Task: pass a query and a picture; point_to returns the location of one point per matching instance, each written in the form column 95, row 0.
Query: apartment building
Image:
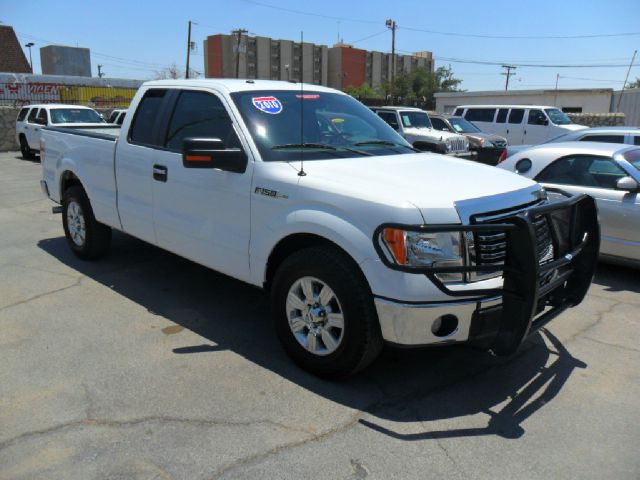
column 341, row 66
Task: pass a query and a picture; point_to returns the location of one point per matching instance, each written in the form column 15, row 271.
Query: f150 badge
column 269, row 193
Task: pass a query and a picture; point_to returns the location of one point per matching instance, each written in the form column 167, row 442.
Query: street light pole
column 29, row 45
column 238, row 32
column 391, row 24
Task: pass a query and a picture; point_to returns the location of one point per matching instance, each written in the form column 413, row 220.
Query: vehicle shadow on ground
column 424, row 385
column 617, row 278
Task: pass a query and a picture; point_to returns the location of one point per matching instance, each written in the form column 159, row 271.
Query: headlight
column 419, row 249
column 486, row 143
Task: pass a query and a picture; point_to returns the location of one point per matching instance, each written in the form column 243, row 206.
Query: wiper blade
column 376, row 142
column 323, row 146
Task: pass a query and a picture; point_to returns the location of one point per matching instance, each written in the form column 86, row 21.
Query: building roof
column 512, row 93
column 12, row 58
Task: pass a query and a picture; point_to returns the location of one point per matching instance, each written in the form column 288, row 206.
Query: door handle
column 525, row 132
column 507, row 130
column 160, row 173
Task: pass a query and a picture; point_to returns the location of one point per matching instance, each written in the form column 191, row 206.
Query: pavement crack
column 615, row 345
column 40, row 295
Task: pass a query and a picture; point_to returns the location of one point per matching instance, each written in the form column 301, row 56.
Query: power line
column 368, row 37
column 439, row 32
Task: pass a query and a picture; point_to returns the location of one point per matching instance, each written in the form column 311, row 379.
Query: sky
column 134, row 39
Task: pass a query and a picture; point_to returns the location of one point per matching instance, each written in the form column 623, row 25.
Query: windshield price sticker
column 267, row 104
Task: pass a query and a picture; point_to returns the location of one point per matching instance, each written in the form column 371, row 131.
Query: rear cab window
column 143, row 129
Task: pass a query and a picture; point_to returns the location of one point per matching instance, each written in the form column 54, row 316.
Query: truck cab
column 303, row 191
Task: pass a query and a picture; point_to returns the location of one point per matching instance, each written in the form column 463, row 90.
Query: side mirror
column 628, row 184
column 543, row 121
column 211, row 153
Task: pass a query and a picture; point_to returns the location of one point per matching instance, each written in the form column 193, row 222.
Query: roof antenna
column 301, row 173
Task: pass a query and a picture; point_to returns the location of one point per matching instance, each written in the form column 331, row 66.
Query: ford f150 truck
column 302, row 190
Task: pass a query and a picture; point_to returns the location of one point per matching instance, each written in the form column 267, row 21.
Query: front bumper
column 532, row 292
column 470, row 155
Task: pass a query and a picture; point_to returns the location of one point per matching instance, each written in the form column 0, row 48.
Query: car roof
column 55, row 105
column 598, row 148
column 232, row 85
column 397, row 108
column 507, row 106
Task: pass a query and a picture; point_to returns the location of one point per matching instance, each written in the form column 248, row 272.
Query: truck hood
column 431, row 133
column 572, row 127
column 433, row 183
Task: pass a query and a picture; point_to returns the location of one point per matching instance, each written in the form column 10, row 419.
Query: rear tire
column 86, row 237
column 334, row 332
column 27, row 153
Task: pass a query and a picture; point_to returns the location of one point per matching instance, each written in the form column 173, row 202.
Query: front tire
column 324, row 314
column 86, row 237
column 27, row 153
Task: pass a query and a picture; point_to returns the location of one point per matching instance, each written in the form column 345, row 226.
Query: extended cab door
column 202, row 213
column 135, row 157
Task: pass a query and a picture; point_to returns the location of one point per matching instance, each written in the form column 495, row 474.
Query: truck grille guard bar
column 529, row 287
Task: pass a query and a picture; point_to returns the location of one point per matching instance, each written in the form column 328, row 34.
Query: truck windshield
column 330, row 125
column 558, row 117
column 462, row 125
column 75, row 115
column 415, row 120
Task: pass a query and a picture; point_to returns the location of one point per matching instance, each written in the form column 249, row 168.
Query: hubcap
column 75, row 223
column 315, row 316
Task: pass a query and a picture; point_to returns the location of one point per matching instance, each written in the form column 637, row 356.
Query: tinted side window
column 390, row 118
column 516, row 115
column 439, row 124
column 22, row 115
column 583, row 170
column 200, row 114
column 458, row 111
column 636, row 140
column 480, row 114
column 121, row 118
column 502, row 115
column 112, row 117
column 604, row 138
column 32, row 115
column 142, row 128
column 41, row 118
column 536, row 117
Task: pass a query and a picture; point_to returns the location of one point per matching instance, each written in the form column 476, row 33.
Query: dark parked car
column 490, row 147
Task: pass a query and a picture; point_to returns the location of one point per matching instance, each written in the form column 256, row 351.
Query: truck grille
column 490, row 248
column 459, row 145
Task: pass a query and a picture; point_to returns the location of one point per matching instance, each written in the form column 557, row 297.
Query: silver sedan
column 608, row 172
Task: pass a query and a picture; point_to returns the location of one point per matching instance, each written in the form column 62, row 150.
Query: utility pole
column 186, row 74
column 100, row 72
column 29, row 45
column 625, row 80
column 238, row 32
column 555, row 99
column 391, row 24
column 508, row 73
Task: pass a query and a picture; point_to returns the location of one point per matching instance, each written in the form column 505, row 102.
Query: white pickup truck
column 304, row 191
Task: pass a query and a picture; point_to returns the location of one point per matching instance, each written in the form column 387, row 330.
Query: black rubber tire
column 362, row 341
column 27, row 153
column 98, row 236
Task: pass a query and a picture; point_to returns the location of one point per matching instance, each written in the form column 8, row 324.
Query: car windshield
column 558, row 117
column 462, row 125
column 330, row 125
column 415, row 120
column 75, row 115
column 633, row 157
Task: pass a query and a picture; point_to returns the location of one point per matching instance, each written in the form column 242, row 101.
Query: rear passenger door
column 515, row 126
column 202, row 213
column 32, row 129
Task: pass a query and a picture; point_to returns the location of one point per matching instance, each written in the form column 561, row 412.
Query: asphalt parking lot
column 144, row 365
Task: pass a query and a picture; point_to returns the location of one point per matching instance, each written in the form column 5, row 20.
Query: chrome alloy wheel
column 315, row 316
column 75, row 223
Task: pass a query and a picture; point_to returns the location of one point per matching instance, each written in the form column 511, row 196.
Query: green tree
column 635, row 84
column 418, row 87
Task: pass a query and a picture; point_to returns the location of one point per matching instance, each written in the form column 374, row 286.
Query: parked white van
column 519, row 124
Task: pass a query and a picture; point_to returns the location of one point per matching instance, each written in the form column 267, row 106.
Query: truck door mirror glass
column 628, row 184
column 211, row 153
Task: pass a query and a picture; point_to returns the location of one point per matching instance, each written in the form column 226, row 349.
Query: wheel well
column 292, row 244
column 68, row 179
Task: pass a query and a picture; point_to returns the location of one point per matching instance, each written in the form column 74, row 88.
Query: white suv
column 33, row 118
column 415, row 126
